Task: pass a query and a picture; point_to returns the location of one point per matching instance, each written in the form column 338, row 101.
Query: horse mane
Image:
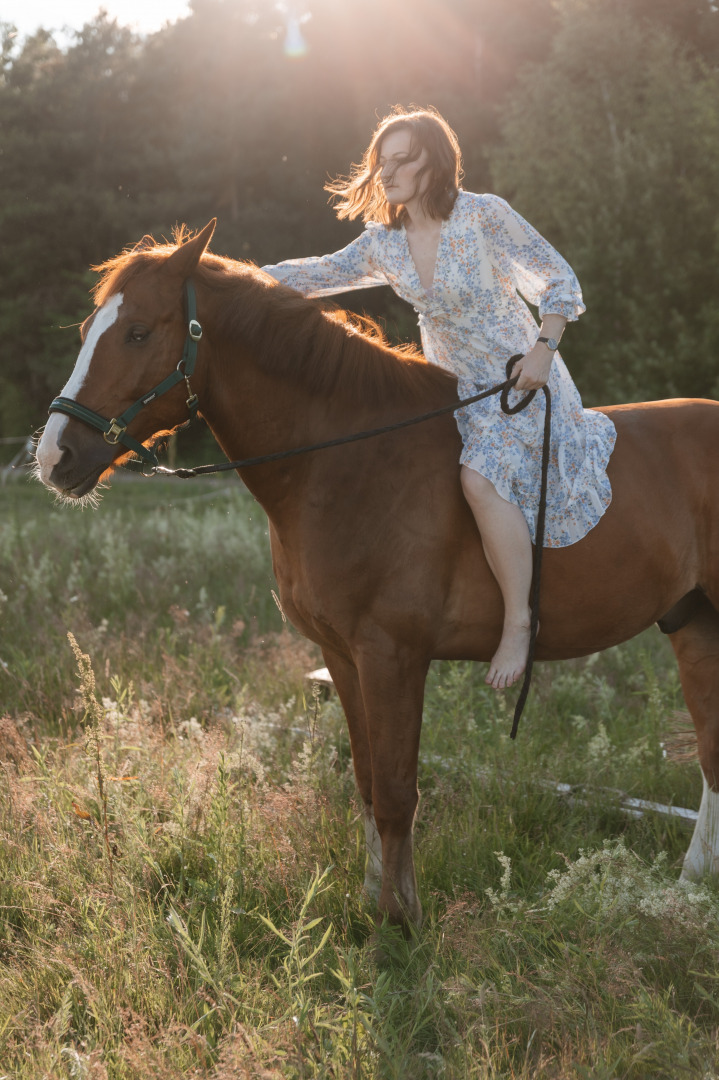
column 326, row 351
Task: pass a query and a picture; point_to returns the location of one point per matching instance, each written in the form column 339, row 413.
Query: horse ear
column 183, row 261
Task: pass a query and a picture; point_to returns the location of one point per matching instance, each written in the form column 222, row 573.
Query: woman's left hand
column 533, row 369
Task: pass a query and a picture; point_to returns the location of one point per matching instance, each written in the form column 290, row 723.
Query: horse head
column 131, row 344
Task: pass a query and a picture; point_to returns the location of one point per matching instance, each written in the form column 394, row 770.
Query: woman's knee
column 475, row 486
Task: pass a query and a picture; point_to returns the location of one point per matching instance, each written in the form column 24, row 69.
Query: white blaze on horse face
column 702, row 858
column 48, row 451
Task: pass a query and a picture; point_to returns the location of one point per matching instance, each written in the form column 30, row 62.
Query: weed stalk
column 92, row 722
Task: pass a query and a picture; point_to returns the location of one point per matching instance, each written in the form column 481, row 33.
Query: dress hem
column 578, row 515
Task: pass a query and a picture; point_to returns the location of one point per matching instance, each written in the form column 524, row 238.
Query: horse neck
column 252, row 413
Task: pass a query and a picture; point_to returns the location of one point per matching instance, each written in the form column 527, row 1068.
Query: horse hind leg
column 346, row 680
column 696, row 646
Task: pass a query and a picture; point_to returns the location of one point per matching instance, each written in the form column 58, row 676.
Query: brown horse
column 376, row 553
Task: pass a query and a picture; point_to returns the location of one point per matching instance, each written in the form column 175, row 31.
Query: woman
column 462, row 260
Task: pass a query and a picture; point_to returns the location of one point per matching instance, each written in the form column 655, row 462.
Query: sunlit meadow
column 182, row 858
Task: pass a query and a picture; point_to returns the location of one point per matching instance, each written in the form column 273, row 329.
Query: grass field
column 181, row 856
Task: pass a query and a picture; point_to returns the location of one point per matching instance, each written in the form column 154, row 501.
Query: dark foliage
column 115, row 136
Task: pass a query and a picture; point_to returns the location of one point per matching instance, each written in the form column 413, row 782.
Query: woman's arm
column 354, row 267
column 538, row 271
column 542, row 277
column 533, row 369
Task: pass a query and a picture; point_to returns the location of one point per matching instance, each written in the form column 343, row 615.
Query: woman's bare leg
column 508, row 548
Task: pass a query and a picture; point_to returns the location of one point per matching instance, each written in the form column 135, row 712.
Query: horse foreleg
column 697, row 651
column 393, row 693
column 346, row 680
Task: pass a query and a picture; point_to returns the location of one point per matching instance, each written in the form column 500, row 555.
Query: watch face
column 552, row 343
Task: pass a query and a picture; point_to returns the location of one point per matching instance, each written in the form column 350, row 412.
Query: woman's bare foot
column 510, row 659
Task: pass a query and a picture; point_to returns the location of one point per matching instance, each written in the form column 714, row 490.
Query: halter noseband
column 115, row 430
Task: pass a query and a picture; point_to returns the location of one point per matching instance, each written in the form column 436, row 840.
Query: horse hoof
column 388, row 943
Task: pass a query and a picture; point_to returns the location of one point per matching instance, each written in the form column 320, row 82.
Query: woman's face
column 398, row 176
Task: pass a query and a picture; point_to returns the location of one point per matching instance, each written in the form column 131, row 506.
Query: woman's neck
column 417, row 219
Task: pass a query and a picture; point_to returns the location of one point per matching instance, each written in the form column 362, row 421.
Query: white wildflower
column 191, row 730
column 172, row 828
column 615, row 882
column 79, row 1063
column 500, row 900
column 599, row 748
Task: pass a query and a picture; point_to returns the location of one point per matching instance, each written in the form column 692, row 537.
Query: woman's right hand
column 533, row 369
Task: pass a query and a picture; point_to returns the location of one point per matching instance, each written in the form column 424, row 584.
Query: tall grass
column 157, row 573
column 181, row 896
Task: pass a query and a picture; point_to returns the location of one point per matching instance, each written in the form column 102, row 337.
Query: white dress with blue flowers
column 471, row 321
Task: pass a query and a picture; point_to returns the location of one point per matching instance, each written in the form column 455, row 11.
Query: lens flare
column 295, row 46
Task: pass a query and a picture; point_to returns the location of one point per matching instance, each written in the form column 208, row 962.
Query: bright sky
column 144, row 16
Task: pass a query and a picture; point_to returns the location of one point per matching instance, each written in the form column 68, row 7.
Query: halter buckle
column 194, row 330
column 114, row 432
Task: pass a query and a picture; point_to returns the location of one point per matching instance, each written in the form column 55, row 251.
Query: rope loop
column 511, row 410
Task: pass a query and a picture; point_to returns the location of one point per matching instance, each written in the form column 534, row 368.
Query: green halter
column 115, row 430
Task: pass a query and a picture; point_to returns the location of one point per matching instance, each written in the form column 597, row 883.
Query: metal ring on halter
column 115, row 430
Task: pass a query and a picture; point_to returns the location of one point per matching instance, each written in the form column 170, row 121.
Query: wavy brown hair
column 361, row 192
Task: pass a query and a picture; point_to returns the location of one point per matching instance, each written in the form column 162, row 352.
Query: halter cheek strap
column 115, row 430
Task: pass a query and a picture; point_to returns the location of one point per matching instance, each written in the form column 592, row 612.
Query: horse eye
column 138, row 333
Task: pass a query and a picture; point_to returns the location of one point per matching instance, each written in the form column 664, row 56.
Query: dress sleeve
column 354, row 267
column 539, row 272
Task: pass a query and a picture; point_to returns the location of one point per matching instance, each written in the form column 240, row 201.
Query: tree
column 116, row 136
column 64, row 129
column 611, row 148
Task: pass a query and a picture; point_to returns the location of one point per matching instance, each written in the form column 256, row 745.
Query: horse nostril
column 66, row 455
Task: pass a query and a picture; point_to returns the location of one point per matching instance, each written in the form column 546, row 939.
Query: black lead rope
column 510, row 410
column 538, row 550
column 503, row 390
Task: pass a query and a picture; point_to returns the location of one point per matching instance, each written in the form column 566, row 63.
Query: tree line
column 597, row 119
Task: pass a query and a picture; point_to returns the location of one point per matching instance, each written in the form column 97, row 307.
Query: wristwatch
column 551, row 343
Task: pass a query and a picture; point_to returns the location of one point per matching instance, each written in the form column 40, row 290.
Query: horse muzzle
column 71, row 458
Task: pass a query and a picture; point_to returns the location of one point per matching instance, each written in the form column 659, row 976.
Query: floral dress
column 471, row 321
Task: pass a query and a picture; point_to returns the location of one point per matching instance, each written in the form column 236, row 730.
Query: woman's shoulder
column 380, row 238
column 374, row 233
column 470, row 203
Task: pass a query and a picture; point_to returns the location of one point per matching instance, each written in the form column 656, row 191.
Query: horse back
column 667, row 443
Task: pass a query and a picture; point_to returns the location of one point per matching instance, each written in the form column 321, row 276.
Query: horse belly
column 426, row 578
